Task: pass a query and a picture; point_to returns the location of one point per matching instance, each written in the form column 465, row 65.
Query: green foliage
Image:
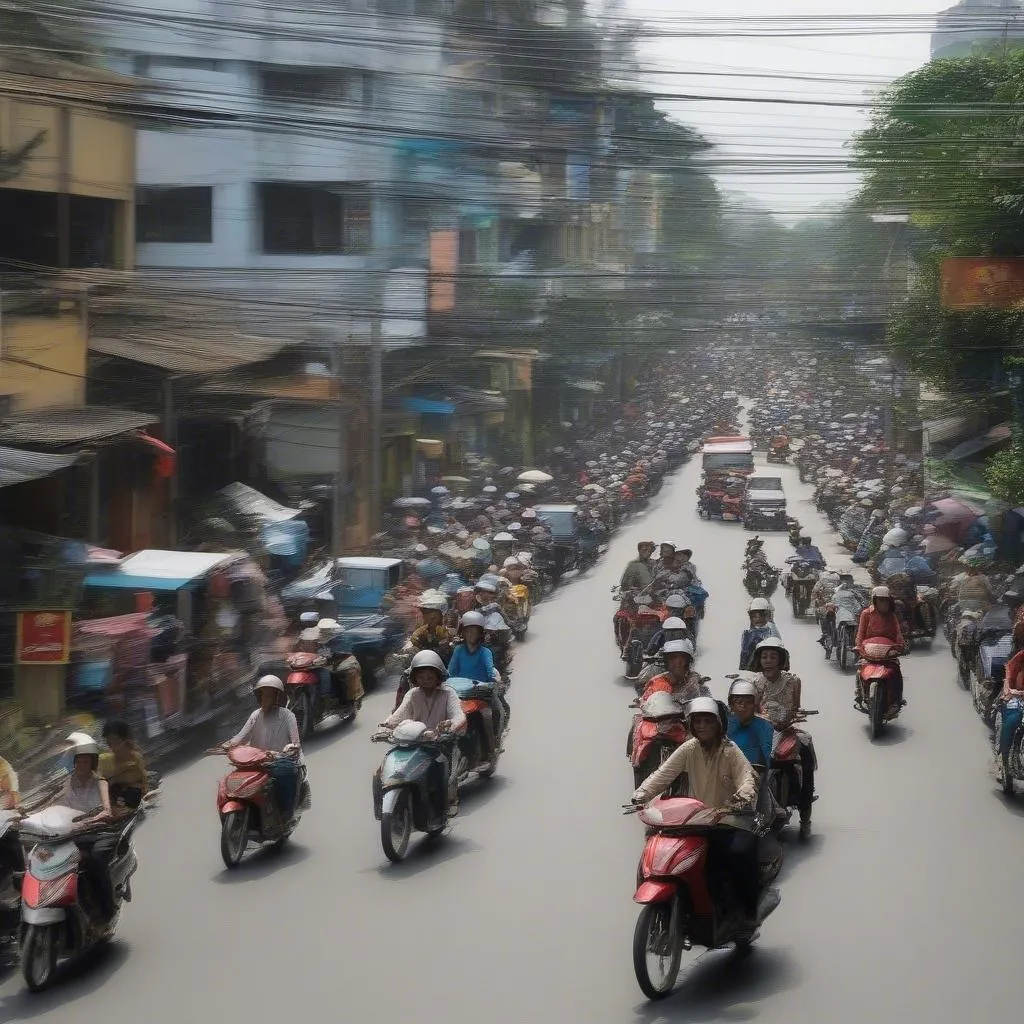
column 44, row 29
column 1005, row 475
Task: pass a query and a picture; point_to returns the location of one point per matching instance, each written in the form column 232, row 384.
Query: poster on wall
column 43, row 638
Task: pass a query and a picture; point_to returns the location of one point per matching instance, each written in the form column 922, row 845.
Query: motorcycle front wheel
column 656, row 951
column 39, row 956
column 301, row 706
column 234, row 837
column 396, row 828
column 878, row 709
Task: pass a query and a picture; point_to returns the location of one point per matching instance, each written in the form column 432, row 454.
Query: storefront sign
column 44, row 638
column 982, row 283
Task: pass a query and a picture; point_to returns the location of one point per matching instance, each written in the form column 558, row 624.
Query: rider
column 974, row 592
column 273, row 727
column 779, row 693
column 435, row 705
column 753, row 734
column 673, row 628
column 678, row 679
column 123, row 768
column 721, row 777
column 471, row 659
column 808, row 553
column 345, row 672
column 880, row 619
column 639, row 574
column 761, row 627
column 684, row 562
column 1008, row 719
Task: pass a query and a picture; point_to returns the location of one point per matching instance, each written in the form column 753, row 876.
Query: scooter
column 12, row 869
column 686, row 902
column 477, row 697
column 410, row 789
column 305, row 697
column 876, row 679
column 785, row 776
column 56, row 924
column 247, row 805
column 656, row 732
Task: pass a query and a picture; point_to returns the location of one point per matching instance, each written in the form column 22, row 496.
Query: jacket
column 721, row 777
column 874, row 623
column 466, row 664
column 755, row 739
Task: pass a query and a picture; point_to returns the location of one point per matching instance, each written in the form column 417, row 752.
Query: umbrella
column 455, row 480
column 594, row 488
column 952, row 511
column 411, row 502
column 534, row 476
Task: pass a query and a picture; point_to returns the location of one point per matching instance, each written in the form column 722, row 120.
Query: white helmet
column 428, row 659
column 673, row 622
column 703, row 706
column 485, row 585
column 472, row 619
column 503, row 538
column 760, row 604
column 433, row 600
column 661, row 705
column 678, row 647
column 742, row 688
column 512, row 562
column 880, row 592
column 269, row 683
column 82, row 743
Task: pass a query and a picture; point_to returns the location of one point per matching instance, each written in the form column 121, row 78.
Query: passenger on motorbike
column 666, row 558
column 684, row 562
column 273, row 727
column 673, row 628
column 678, row 679
column 779, row 695
column 880, row 619
column 435, row 705
column 721, row 777
column 640, row 572
column 761, row 627
column 124, row 767
column 753, row 734
column 471, row 659
column 432, row 635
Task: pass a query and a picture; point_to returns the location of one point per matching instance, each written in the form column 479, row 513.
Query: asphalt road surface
column 904, row 906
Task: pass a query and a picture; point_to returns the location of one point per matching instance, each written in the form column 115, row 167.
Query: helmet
column 667, row 544
column 673, row 622
column 678, row 647
column 83, row 743
column 772, row 643
column 433, row 601
column 880, row 592
column 428, row 659
column 703, row 706
column 269, row 683
column 328, row 628
column 742, row 688
column 309, row 619
column 512, row 563
column 503, row 538
column 760, row 604
column 676, row 601
column 472, row 619
column 660, row 705
column 485, row 584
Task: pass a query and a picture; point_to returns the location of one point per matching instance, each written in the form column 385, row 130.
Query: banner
column 985, row 282
column 44, row 638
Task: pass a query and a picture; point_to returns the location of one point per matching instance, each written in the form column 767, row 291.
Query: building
column 977, row 24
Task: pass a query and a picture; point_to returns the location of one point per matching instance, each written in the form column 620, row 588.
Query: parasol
column 534, row 476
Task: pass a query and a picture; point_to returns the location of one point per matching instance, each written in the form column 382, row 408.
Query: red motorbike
column 656, row 732
column 785, row 774
column 248, row 807
column 877, row 675
column 685, row 900
column 305, row 697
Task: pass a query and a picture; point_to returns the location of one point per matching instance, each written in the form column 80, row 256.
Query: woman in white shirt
column 273, row 727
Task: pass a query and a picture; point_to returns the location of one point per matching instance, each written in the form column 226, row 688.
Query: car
column 765, row 509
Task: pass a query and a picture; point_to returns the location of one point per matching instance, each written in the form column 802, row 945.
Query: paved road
column 894, row 911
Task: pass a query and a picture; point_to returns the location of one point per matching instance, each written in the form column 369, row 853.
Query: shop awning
column 68, row 426
column 949, row 428
column 428, row 405
column 966, row 449
column 184, row 351
column 18, row 466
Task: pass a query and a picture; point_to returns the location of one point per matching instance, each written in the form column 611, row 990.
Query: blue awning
column 122, row 581
column 428, row 405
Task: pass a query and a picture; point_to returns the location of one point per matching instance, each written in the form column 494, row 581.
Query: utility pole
column 376, row 414
column 341, row 469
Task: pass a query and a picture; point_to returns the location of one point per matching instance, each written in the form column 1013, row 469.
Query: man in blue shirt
column 752, row 734
column 472, row 660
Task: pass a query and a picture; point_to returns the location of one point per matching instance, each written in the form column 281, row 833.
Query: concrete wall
column 57, row 346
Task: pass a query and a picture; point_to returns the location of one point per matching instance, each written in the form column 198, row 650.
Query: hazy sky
column 767, row 148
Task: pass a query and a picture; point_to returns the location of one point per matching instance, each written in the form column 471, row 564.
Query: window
column 316, row 85
column 315, row 219
column 173, row 214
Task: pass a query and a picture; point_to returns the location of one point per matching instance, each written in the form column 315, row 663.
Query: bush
column 1005, row 475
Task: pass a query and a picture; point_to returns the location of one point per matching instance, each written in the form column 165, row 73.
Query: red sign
column 44, row 638
column 982, row 283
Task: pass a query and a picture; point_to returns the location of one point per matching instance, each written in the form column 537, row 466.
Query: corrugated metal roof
column 64, row 427
column 186, row 352
column 18, row 466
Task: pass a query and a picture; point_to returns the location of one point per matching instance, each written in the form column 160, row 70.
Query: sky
column 767, row 149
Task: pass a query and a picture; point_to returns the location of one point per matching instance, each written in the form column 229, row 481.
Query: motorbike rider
column 879, row 619
column 273, row 727
column 721, row 777
column 639, row 574
column 679, row 679
column 825, row 587
column 753, row 734
column 673, row 628
column 684, row 563
column 472, row 659
column 432, row 635
column 974, row 593
column 124, row 767
column 345, row 671
column 435, row 705
column 761, row 627
column 1007, row 719
column 779, row 695
column 666, row 561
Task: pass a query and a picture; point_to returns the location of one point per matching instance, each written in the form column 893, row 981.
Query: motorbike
column 248, row 807
column 965, row 645
column 1012, row 753
column 716, row 504
column 839, row 626
column 305, row 697
column 785, row 775
column 57, row 923
column 475, row 698
column 995, row 646
column 12, row 868
column 684, row 899
column 876, row 678
column 778, row 455
column 761, row 579
column 800, row 584
column 657, row 730
column 410, row 789
column 795, row 531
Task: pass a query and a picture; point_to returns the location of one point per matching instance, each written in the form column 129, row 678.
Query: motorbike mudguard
column 402, row 766
column 42, row 915
column 390, row 799
column 654, row 892
column 230, row 806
